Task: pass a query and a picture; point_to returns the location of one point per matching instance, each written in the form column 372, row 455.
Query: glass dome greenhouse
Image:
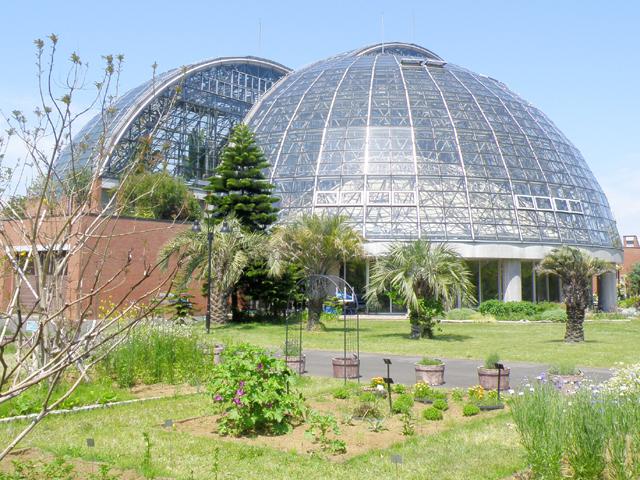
column 409, row 146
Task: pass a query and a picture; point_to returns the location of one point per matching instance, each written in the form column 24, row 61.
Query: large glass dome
column 408, row 146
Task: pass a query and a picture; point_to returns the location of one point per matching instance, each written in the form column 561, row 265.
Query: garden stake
column 499, row 366
column 388, row 381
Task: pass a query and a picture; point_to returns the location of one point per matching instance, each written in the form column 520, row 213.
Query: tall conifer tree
column 239, row 187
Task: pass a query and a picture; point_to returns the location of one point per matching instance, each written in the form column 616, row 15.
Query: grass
column 118, row 434
column 606, row 342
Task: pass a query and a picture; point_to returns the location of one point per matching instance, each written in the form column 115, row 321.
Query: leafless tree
column 63, row 225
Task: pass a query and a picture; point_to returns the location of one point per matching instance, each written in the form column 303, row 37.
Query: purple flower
column 237, row 401
column 241, row 384
column 240, row 392
column 260, row 366
column 218, row 398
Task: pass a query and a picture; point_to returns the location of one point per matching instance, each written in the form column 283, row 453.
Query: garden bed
column 357, row 436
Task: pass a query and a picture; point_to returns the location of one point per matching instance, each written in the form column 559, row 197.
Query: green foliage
column 167, row 354
column 633, row 280
column 57, row 469
column 508, row 310
column 440, row 404
column 408, row 426
column 470, row 409
column 30, row 401
column 376, row 424
column 319, row 427
column 182, row 306
column 564, row 368
column 425, row 278
column 429, row 361
column 399, row 388
column 157, row 195
column 432, row 414
column 341, row 393
column 402, row 404
column 491, row 360
column 424, row 391
column 253, row 391
column 466, row 314
column 239, row 187
column 457, row 394
column 539, row 420
column 554, row 315
column 318, row 245
column 630, row 302
column 367, row 406
column 270, row 293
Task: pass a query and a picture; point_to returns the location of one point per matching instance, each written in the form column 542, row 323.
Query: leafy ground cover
column 607, row 342
column 176, row 452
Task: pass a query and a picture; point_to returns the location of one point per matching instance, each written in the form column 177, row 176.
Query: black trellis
column 325, row 286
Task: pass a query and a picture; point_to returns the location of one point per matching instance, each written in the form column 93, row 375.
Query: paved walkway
column 458, row 373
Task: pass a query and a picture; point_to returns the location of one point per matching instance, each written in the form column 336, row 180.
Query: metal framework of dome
column 183, row 116
column 409, row 146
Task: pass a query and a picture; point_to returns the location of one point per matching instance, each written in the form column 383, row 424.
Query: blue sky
column 579, row 61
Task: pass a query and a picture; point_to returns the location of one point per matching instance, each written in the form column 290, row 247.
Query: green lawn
column 607, row 342
column 483, row 448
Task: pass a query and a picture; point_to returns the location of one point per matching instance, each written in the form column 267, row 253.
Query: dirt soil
column 162, row 390
column 82, row 468
column 358, row 437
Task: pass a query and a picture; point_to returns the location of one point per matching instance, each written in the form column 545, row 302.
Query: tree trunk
column 415, row 331
column 575, row 325
column 235, row 312
column 315, row 310
column 218, row 307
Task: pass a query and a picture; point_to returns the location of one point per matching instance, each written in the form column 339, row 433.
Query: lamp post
column 197, row 229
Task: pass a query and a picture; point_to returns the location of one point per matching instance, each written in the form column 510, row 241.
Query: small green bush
column 457, row 394
column 253, row 391
column 554, row 315
column 399, row 388
column 469, row 410
column 429, row 361
column 367, row 406
column 564, row 368
column 440, row 404
column 509, row 310
column 461, row 314
column 424, row 391
column 402, row 404
column 630, row 302
column 491, row 360
column 342, row 393
column 432, row 414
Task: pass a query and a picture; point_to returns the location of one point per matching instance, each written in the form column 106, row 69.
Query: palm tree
column 318, row 245
column 424, row 277
column 230, row 254
column 576, row 269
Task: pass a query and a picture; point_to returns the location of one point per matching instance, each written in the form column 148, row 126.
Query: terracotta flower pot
column 297, row 364
column 431, row 374
column 567, row 384
column 488, row 378
column 346, row 367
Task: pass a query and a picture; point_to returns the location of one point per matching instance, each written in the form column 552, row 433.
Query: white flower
column 380, row 388
column 521, row 393
column 511, row 391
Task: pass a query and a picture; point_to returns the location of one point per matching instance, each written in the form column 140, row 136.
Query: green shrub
column 429, row 361
column 546, row 306
column 55, row 469
column 564, row 368
column 399, row 388
column 509, row 310
column 553, row 315
column 367, row 406
column 319, row 427
column 402, row 404
column 461, row 314
column 432, row 414
column 424, row 391
column 168, row 354
column 345, row 391
column 630, row 302
column 252, row 390
column 491, row 360
column 469, row 410
column 440, row 404
column 457, row 394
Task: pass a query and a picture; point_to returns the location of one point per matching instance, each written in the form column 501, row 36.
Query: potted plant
column 488, row 374
column 430, row 370
column 348, row 367
column 566, row 377
column 485, row 399
column 293, row 357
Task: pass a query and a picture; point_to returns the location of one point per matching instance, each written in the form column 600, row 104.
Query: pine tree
column 239, row 187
